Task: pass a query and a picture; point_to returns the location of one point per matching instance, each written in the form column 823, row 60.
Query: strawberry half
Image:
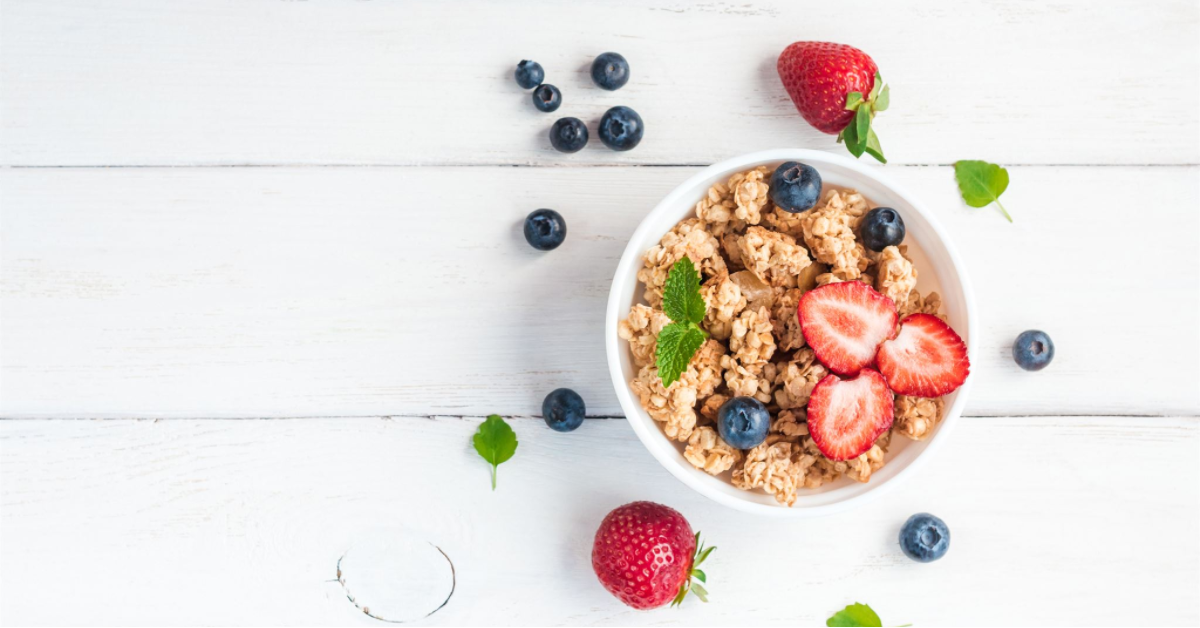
column 844, row 324
column 926, row 359
column 845, row 416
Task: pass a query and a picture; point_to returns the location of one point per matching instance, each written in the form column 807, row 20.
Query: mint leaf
column 677, row 343
column 684, row 304
column 681, row 296
column 981, row 183
column 495, row 442
column 855, row 615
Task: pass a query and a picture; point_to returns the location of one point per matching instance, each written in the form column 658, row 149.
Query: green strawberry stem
column 493, row 477
column 858, row 135
column 694, row 575
column 1002, row 210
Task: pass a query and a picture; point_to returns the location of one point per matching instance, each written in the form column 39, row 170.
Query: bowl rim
column 626, row 268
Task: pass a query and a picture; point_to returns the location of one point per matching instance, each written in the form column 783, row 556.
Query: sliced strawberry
column 845, row 416
column 926, row 359
column 844, row 324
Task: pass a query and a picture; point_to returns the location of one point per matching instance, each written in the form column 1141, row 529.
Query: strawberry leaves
column 858, row 135
column 981, row 183
column 683, row 304
column 691, row 584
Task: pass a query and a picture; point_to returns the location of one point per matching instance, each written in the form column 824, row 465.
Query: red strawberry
column 926, row 359
column 646, row 555
column 845, row 416
column 822, row 79
column 844, row 324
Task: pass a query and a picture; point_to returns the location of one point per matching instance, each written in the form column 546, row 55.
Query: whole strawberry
column 646, row 555
column 837, row 89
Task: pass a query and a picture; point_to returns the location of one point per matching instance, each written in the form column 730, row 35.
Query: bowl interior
column 938, row 270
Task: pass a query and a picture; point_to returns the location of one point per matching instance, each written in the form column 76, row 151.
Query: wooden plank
column 233, row 82
column 370, row 291
column 1085, row 520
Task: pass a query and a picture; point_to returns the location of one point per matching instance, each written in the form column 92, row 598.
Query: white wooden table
column 263, row 276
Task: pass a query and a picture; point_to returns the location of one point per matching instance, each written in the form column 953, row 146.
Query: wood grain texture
column 375, row 291
column 233, row 82
column 1084, row 520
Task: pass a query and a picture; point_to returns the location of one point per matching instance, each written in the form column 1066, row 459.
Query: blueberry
column 882, row 227
column 621, row 128
column 924, row 538
column 545, row 229
column 529, row 74
column 563, row 410
column 795, row 187
column 743, row 422
column 610, row 71
column 568, row 135
column 547, row 97
column 1033, row 350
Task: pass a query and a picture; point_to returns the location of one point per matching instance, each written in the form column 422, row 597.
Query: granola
column 705, row 450
column 829, row 233
column 896, row 276
column 756, row 262
column 916, row 417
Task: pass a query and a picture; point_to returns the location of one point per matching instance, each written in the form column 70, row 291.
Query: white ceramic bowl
column 938, row 266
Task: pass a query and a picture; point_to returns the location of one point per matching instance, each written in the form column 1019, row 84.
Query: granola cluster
column 756, row 261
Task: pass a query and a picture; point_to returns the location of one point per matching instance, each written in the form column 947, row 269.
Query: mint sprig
column 858, row 135
column 981, row 183
column 684, row 305
column 496, row 443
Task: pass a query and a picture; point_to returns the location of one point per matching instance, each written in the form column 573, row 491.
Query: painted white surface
column 383, row 278
column 234, row 82
column 1054, row 521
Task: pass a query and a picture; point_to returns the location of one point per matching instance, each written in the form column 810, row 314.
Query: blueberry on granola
column 795, row 187
column 563, row 410
column 568, row 135
column 1033, row 350
column 882, row 227
column 743, row 422
column 924, row 538
column 529, row 74
column 621, row 128
column 610, row 71
column 547, row 98
column 545, row 229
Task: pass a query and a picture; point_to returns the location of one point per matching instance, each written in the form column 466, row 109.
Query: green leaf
column 876, row 87
column 853, row 100
column 855, row 615
column 700, row 592
column 682, row 301
column 496, row 443
column 677, row 343
column 699, row 575
column 855, row 133
column 873, row 147
column 981, row 183
column 882, row 100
